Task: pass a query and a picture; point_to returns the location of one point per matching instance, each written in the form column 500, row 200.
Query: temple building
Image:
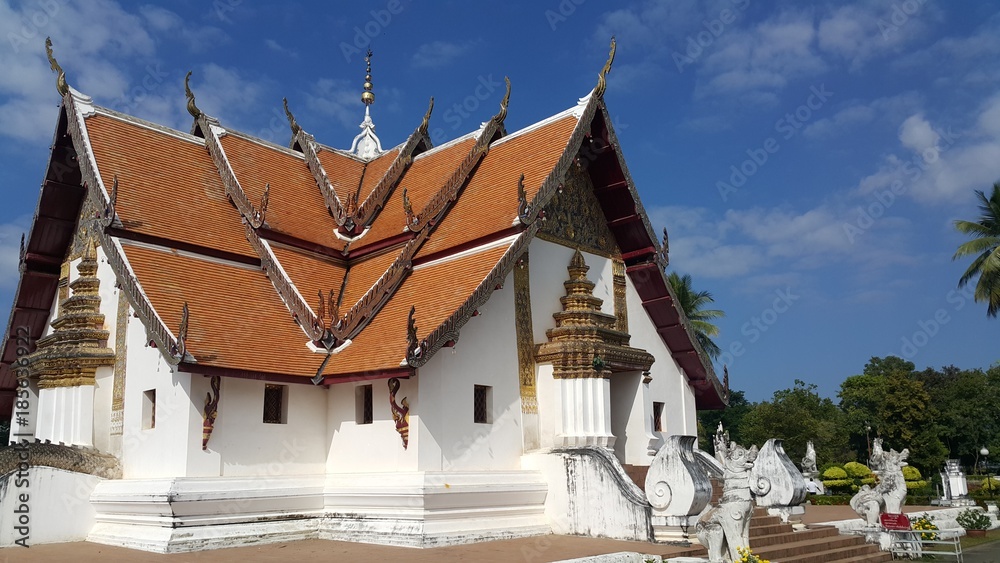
column 217, row 340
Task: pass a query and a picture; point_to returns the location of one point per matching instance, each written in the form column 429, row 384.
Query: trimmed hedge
column 857, row 470
column 911, row 473
column 834, row 473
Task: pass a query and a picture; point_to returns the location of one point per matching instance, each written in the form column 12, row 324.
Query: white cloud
column 197, row 38
column 937, row 165
column 891, row 109
column 438, row 54
column 917, row 134
column 279, row 48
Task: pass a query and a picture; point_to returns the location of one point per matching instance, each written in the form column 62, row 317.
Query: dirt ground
column 542, row 549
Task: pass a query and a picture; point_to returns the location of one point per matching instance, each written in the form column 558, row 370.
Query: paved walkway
column 542, row 549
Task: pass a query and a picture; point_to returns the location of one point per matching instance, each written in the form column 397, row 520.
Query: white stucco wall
column 374, row 447
column 160, row 451
column 245, row 445
column 486, row 354
column 669, row 385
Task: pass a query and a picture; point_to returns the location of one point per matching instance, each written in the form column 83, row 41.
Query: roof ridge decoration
column 307, row 143
column 258, row 218
column 379, row 195
column 444, row 197
column 110, row 216
column 308, row 321
column 61, row 85
column 367, row 145
column 179, row 349
column 191, row 106
column 602, row 83
column 157, row 331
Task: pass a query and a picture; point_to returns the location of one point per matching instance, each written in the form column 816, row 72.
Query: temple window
column 363, row 411
column 482, row 404
column 657, row 417
column 149, row 409
column 275, row 404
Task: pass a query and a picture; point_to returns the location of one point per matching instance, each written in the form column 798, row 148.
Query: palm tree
column 692, row 303
column 986, row 246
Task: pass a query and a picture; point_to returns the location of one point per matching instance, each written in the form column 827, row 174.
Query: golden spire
column 601, row 77
column 367, row 97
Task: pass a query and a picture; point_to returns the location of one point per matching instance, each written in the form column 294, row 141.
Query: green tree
column 985, row 246
column 693, row 304
column 730, row 417
column 890, row 402
column 796, row 416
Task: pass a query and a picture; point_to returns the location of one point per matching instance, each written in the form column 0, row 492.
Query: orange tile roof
column 310, row 273
column 229, row 304
column 374, row 171
column 168, row 187
column 343, row 171
column 295, row 205
column 363, row 274
column 488, row 203
column 436, row 291
column 424, row 178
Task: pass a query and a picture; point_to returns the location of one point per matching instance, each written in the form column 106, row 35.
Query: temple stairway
column 770, row 539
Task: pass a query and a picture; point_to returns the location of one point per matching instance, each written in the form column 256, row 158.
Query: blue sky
column 808, row 160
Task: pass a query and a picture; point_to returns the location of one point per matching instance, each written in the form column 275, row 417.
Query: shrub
column 834, row 473
column 838, row 485
column 911, row 473
column 857, row 470
column 914, row 485
column 973, row 519
column 925, row 522
column 870, row 481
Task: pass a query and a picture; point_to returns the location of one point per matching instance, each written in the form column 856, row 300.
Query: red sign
column 895, row 522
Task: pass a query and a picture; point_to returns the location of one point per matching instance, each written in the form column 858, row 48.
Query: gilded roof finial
column 61, row 86
column 601, row 78
column 427, row 116
column 191, row 107
column 503, row 103
column 367, row 97
column 367, row 145
column 291, row 118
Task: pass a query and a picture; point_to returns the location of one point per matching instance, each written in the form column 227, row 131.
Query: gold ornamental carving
column 71, row 354
column 524, row 336
column 621, row 304
column 585, row 342
column 118, row 388
column 574, row 217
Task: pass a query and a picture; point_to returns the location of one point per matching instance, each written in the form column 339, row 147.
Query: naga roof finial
column 427, row 116
column 602, row 83
column 61, row 86
column 291, row 118
column 191, row 107
column 503, row 103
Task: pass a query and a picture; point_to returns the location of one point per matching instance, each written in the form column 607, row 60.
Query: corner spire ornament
column 602, row 83
column 427, row 117
column 291, row 118
column 61, row 86
column 367, row 145
column 191, row 107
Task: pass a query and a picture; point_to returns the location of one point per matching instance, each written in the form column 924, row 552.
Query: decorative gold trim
column 118, row 387
column 211, row 411
column 602, row 82
column 191, row 107
column 524, row 336
column 400, row 412
column 61, row 86
column 71, row 354
column 584, row 343
column 574, row 217
column 621, row 303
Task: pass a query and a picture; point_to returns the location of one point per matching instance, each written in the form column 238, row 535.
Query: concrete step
column 864, row 553
column 790, row 537
column 821, row 550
